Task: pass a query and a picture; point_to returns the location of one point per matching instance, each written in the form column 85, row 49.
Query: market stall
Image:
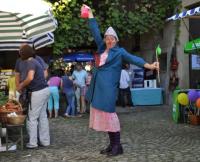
column 31, row 22
column 186, row 102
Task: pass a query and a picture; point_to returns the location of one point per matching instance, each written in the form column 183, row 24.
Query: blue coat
column 102, row 92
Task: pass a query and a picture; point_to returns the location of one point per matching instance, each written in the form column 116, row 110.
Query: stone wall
column 183, row 69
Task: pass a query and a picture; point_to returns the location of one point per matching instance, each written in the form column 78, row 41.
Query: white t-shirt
column 124, row 79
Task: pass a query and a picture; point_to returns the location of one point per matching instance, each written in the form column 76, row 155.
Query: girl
column 54, row 83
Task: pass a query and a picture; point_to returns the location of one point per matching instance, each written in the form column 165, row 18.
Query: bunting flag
column 184, row 14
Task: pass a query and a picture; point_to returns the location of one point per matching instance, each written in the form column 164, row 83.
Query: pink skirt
column 104, row 121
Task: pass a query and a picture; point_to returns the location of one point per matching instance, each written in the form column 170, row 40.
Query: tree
column 127, row 17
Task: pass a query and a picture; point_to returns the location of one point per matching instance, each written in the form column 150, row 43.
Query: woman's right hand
column 90, row 11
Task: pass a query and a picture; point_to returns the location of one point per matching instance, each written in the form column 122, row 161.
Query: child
column 54, row 83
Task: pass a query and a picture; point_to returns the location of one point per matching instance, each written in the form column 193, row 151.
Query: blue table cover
column 147, row 96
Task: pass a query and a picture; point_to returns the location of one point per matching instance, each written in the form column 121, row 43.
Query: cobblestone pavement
column 148, row 135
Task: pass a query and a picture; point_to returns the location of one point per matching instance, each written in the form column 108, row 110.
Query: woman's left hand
column 155, row 66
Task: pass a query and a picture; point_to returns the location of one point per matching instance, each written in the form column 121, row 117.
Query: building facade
column 172, row 41
column 193, row 24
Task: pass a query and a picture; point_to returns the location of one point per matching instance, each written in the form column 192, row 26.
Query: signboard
column 195, row 62
column 192, row 46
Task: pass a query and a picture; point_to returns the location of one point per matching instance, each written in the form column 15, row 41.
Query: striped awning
column 36, row 42
column 43, row 40
column 25, row 19
column 184, row 14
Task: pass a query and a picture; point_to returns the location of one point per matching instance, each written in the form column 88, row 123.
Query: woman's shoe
column 116, row 150
column 79, row 116
column 67, row 116
column 29, row 146
column 106, row 150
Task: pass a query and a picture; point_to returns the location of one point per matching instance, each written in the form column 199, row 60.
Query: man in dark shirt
column 32, row 78
column 20, row 64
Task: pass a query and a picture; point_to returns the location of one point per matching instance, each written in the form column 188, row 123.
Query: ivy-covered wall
column 128, row 17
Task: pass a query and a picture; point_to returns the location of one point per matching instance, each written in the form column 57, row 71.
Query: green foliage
column 3, row 98
column 128, row 17
column 59, row 64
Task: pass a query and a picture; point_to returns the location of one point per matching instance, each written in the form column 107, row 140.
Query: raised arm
column 94, row 28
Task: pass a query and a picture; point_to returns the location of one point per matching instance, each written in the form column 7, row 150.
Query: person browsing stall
column 80, row 75
column 34, row 80
column 53, row 103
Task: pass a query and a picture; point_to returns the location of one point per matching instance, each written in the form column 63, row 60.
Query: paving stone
column 148, row 135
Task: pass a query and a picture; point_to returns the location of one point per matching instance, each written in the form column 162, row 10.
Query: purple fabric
column 54, row 81
column 116, row 138
column 111, row 137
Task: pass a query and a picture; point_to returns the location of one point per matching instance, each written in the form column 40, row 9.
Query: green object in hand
column 158, row 50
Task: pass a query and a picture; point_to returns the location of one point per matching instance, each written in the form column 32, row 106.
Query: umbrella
column 26, row 21
column 69, row 58
column 184, row 14
column 36, row 42
column 84, row 57
column 44, row 40
column 79, row 57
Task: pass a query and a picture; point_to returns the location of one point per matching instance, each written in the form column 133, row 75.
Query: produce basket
column 194, row 119
column 10, row 107
column 16, row 120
